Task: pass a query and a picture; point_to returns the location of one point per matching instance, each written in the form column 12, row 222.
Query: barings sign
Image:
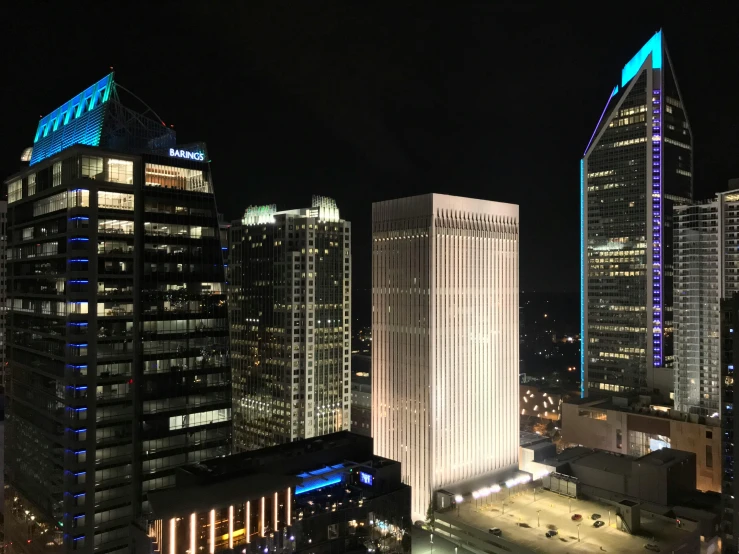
column 185, row 155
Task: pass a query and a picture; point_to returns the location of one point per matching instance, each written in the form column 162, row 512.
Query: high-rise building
column 729, row 522
column 117, row 324
column 706, row 257
column 445, row 341
column 290, row 321
column 637, row 165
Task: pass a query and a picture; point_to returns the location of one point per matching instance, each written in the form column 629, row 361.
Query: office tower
column 637, row 165
column 706, row 258
column 445, row 340
column 729, row 521
column 117, row 324
column 290, row 321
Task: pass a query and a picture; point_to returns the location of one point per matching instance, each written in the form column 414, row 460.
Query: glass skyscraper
column 117, row 325
column 636, row 167
column 290, row 321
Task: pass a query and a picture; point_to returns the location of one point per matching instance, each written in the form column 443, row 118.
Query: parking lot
column 525, row 518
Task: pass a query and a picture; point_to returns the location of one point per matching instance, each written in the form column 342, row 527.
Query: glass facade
column 636, row 167
column 118, row 344
column 290, row 321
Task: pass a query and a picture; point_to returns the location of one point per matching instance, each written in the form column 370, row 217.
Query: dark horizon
column 366, row 103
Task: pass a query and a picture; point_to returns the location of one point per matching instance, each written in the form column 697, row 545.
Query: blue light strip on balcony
column 83, row 218
column 300, row 489
column 79, row 260
column 78, row 238
column 583, row 258
column 653, row 47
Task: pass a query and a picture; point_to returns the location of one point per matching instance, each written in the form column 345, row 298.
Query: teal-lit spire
column 653, row 47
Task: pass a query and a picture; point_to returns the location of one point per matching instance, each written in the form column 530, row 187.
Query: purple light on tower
column 657, row 318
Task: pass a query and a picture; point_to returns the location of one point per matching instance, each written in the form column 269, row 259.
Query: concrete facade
column 599, row 424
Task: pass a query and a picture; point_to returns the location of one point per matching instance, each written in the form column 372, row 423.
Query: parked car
column 551, row 533
column 599, row 523
column 576, row 517
column 652, row 547
column 596, row 516
column 495, row 531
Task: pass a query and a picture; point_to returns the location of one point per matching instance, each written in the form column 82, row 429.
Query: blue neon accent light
column 583, row 258
column 653, row 47
column 614, row 92
column 315, row 481
column 78, row 121
column 300, row 489
column 74, row 239
column 365, row 478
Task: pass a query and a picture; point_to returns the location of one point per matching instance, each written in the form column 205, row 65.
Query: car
column 652, row 547
column 596, row 516
column 576, row 517
column 551, row 533
column 599, row 523
column 495, row 531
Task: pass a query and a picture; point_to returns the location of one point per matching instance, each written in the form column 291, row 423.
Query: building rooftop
column 301, row 465
column 654, row 409
column 605, row 461
column 527, row 517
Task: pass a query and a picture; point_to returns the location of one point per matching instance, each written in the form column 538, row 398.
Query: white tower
column 445, row 340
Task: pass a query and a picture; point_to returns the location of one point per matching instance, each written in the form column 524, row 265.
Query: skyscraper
column 637, row 165
column 706, row 258
column 290, row 321
column 445, row 340
column 117, row 325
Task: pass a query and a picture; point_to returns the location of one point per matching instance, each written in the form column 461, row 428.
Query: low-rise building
column 636, row 430
column 324, row 494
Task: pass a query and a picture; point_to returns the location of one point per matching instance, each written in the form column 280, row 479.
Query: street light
column 537, row 518
column 458, row 499
column 578, row 532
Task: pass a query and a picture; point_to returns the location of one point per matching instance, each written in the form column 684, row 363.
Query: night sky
column 366, row 102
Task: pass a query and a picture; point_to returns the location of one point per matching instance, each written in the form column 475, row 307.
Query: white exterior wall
column 445, row 339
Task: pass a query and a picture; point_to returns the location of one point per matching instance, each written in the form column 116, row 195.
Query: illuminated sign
column 365, row 478
column 186, row 155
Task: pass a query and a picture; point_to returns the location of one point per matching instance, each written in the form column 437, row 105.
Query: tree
column 430, row 513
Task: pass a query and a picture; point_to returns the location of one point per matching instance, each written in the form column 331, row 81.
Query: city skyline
column 457, row 101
